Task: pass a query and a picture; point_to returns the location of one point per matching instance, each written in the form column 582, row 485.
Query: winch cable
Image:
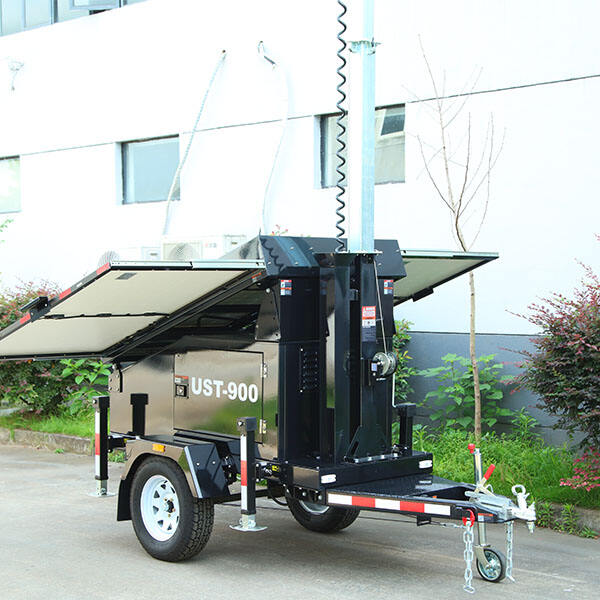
column 283, row 121
column 341, row 130
column 173, row 187
column 379, row 302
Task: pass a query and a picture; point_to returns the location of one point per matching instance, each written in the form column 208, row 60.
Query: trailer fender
column 200, row 463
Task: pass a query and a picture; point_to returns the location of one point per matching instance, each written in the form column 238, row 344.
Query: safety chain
column 509, row 549
column 468, row 554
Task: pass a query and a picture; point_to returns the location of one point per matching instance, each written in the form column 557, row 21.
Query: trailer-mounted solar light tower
column 274, row 363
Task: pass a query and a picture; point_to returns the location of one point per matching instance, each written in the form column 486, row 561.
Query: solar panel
column 113, row 304
column 425, row 270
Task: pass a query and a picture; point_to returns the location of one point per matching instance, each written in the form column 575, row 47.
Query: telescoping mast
column 273, row 364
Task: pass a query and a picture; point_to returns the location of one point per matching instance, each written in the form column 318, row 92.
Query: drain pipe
column 173, row 187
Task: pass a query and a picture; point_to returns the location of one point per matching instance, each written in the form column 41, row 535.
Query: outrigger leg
column 247, row 427
column 101, row 404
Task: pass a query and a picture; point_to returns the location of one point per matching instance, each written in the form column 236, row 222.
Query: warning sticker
column 286, row 287
column 368, row 323
column 368, row 316
column 388, row 287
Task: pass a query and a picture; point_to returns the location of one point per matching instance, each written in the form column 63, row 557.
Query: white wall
column 141, row 72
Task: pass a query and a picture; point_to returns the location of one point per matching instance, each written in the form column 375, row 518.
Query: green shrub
column 32, row 385
column 564, row 371
column 454, row 397
column 46, row 387
column 11, row 301
column 35, row 386
column 544, row 514
column 91, row 379
column 401, row 338
column 569, row 520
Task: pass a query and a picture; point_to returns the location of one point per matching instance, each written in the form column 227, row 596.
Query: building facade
column 98, row 106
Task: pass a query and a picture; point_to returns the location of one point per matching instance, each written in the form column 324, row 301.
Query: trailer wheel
column 168, row 521
column 497, row 568
column 321, row 518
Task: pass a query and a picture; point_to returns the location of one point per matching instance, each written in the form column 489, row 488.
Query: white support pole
column 361, row 127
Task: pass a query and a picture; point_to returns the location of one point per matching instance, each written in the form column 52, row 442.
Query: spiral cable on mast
column 341, row 130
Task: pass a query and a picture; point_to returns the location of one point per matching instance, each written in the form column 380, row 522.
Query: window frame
column 53, row 4
column 379, row 121
column 15, row 210
column 109, row 5
column 124, row 168
column 53, row 14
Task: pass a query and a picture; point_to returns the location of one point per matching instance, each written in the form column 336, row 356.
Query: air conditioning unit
column 203, row 248
column 134, row 253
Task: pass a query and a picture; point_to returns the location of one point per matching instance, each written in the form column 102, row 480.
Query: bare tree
column 461, row 178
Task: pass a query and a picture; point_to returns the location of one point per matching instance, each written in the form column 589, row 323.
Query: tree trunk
column 473, row 356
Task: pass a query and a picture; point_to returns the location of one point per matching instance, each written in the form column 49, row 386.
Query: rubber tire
column 502, row 560
column 195, row 520
column 334, row 519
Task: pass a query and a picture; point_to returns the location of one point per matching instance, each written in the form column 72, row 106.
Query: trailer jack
column 490, row 563
column 101, row 447
column 247, row 427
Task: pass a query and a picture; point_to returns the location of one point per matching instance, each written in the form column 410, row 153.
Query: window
column 10, row 185
column 389, row 146
column 65, row 12
column 101, row 4
column 18, row 15
column 37, row 13
column 148, row 169
column 95, row 4
column 12, row 16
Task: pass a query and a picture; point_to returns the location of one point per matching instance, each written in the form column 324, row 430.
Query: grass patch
column 80, row 425
column 527, row 461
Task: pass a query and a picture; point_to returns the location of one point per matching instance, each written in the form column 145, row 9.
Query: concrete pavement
column 58, row 543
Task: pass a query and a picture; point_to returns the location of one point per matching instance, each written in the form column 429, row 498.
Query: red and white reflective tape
column 97, row 443
column 244, row 472
column 64, row 294
column 387, row 504
column 105, row 267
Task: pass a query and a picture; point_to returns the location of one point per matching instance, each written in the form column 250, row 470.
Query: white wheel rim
column 313, row 507
column 160, row 508
column 494, row 568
